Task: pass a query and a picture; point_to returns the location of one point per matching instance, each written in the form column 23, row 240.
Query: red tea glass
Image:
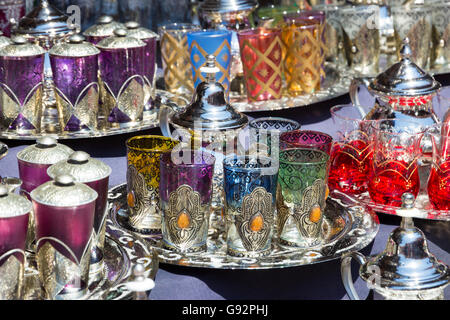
column 351, row 153
column 439, row 180
column 395, row 161
column 261, row 54
column 306, row 139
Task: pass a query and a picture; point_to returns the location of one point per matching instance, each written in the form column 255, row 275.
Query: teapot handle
column 346, row 273
column 353, row 91
column 164, row 113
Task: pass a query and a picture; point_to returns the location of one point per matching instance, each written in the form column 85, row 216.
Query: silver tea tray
column 123, row 250
column 347, row 228
column 149, row 121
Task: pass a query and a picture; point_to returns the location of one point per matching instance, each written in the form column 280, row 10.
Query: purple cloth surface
column 319, row 281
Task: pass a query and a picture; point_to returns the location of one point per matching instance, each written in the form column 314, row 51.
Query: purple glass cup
column 14, row 216
column 121, row 69
column 64, row 213
column 306, row 139
column 185, row 192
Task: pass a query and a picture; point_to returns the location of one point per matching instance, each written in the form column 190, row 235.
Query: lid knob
column 76, row 38
column 19, row 40
column 405, row 51
column 64, row 180
column 3, row 191
column 132, row 25
column 105, row 20
column 210, row 68
column 120, row 32
column 79, row 157
column 408, row 200
column 46, row 142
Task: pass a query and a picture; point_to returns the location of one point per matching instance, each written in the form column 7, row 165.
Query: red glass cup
column 261, row 55
column 306, row 139
column 352, row 150
column 439, row 180
column 394, row 169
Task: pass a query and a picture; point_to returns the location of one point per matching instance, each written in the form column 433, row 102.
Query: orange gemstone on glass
column 183, row 221
column 327, row 193
column 256, row 224
column 131, row 199
column 315, row 214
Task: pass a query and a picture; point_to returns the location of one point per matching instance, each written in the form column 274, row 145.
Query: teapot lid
column 81, row 167
column 406, row 263
column 223, row 6
column 404, row 78
column 209, row 107
column 44, row 21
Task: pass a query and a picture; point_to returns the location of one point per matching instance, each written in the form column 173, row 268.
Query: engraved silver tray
column 150, row 121
column 422, row 208
column 347, row 228
column 122, row 251
column 3, row 150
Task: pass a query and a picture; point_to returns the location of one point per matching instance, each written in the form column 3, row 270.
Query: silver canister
column 121, row 69
column 33, row 163
column 75, row 75
column 103, row 29
column 150, row 38
column 64, row 212
column 14, row 215
column 95, row 174
column 21, row 86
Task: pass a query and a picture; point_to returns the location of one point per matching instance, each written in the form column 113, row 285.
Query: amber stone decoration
column 257, row 223
column 183, row 221
column 130, row 199
column 315, row 214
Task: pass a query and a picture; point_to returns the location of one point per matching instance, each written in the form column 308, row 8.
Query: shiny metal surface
column 20, row 47
column 347, row 228
column 136, row 31
column 123, row 250
column 163, row 98
column 4, row 41
column 82, row 167
column 120, row 40
column 3, row 150
column 224, row 6
column 45, row 151
column 105, row 27
column 11, row 204
column 74, row 47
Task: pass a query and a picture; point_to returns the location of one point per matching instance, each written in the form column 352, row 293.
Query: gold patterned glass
column 175, row 57
column 302, row 61
column 440, row 54
column 143, row 176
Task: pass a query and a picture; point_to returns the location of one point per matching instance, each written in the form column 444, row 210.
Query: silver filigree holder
column 406, row 269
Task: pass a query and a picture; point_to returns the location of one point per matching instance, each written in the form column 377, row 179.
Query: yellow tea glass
column 302, row 60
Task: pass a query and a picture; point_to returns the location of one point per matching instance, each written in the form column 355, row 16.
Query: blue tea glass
column 250, row 185
column 215, row 42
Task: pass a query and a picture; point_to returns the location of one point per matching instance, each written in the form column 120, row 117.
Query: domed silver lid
column 75, row 47
column 44, row 21
column 46, row 151
column 4, row 41
column 404, row 78
column 120, row 40
column 104, row 28
column 138, row 32
column 12, row 205
column 81, row 167
column 209, row 108
column 223, row 6
column 63, row 192
column 406, row 263
column 20, row 47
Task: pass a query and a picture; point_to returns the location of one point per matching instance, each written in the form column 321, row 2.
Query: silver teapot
column 405, row 270
column 403, row 91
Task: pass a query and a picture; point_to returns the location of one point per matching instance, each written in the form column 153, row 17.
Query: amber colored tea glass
column 394, row 169
column 302, row 65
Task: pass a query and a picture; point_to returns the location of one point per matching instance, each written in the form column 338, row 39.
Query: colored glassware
column 215, row 42
column 440, row 53
column 439, row 180
column 185, row 192
column 273, row 16
column 351, row 154
column 261, row 54
column 143, row 178
column 302, row 65
column 175, row 57
column 306, row 139
column 250, row 188
column 301, row 196
column 14, row 215
column 361, row 37
column 395, row 161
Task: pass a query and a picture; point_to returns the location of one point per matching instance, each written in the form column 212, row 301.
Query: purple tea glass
column 64, row 213
column 21, row 81
column 14, row 215
column 185, row 192
column 75, row 74
column 306, row 139
column 121, row 69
